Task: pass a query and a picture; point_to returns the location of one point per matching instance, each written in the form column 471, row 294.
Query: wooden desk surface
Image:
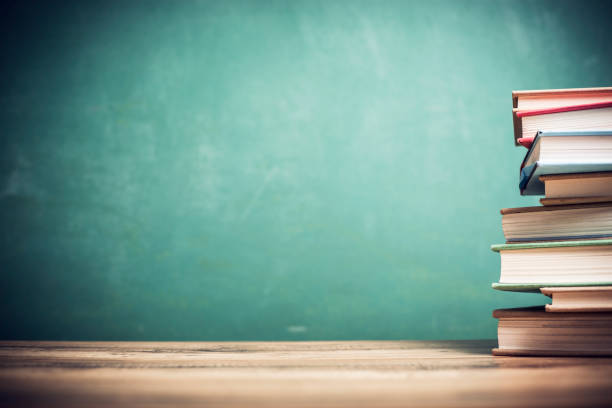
column 290, row 374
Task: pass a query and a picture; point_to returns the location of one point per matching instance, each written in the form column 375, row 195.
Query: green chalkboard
column 269, row 170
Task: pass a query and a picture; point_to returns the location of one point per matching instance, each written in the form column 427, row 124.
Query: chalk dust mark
column 371, row 41
column 271, row 173
column 297, row 329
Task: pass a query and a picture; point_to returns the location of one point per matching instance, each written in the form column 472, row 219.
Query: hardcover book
column 578, row 117
column 535, row 332
column 558, row 222
column 577, row 188
column 579, row 299
column 533, row 265
column 556, row 152
column 555, row 98
column 543, row 99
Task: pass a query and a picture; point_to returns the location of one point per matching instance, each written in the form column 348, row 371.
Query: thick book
column 533, row 265
column 557, row 223
column 576, row 188
column 579, row 299
column 564, row 152
column 535, row 332
column 535, row 100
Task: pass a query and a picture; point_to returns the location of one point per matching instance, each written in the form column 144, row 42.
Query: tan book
column 535, row 332
column 553, row 99
column 577, row 188
column 574, row 200
column 579, row 299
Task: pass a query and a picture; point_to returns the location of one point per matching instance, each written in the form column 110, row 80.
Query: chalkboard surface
column 269, row 170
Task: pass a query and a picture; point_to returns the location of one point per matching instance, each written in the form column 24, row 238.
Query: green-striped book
column 527, row 267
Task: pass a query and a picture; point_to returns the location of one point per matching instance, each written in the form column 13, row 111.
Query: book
column 554, row 223
column 574, row 200
column 579, row 299
column 536, row 287
column 534, row 332
column 580, row 117
column 554, row 98
column 562, row 249
column 564, row 152
column 577, row 187
column 532, row 265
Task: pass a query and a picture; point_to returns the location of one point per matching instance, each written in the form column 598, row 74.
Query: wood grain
column 293, row 374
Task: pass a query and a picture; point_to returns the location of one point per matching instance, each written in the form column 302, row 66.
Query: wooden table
column 290, row 374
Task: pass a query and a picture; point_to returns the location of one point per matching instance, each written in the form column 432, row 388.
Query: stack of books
column 563, row 248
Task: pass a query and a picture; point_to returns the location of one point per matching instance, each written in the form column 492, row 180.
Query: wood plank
column 295, row 374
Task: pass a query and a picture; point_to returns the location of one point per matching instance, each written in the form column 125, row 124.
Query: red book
column 582, row 117
column 542, row 100
column 526, row 141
